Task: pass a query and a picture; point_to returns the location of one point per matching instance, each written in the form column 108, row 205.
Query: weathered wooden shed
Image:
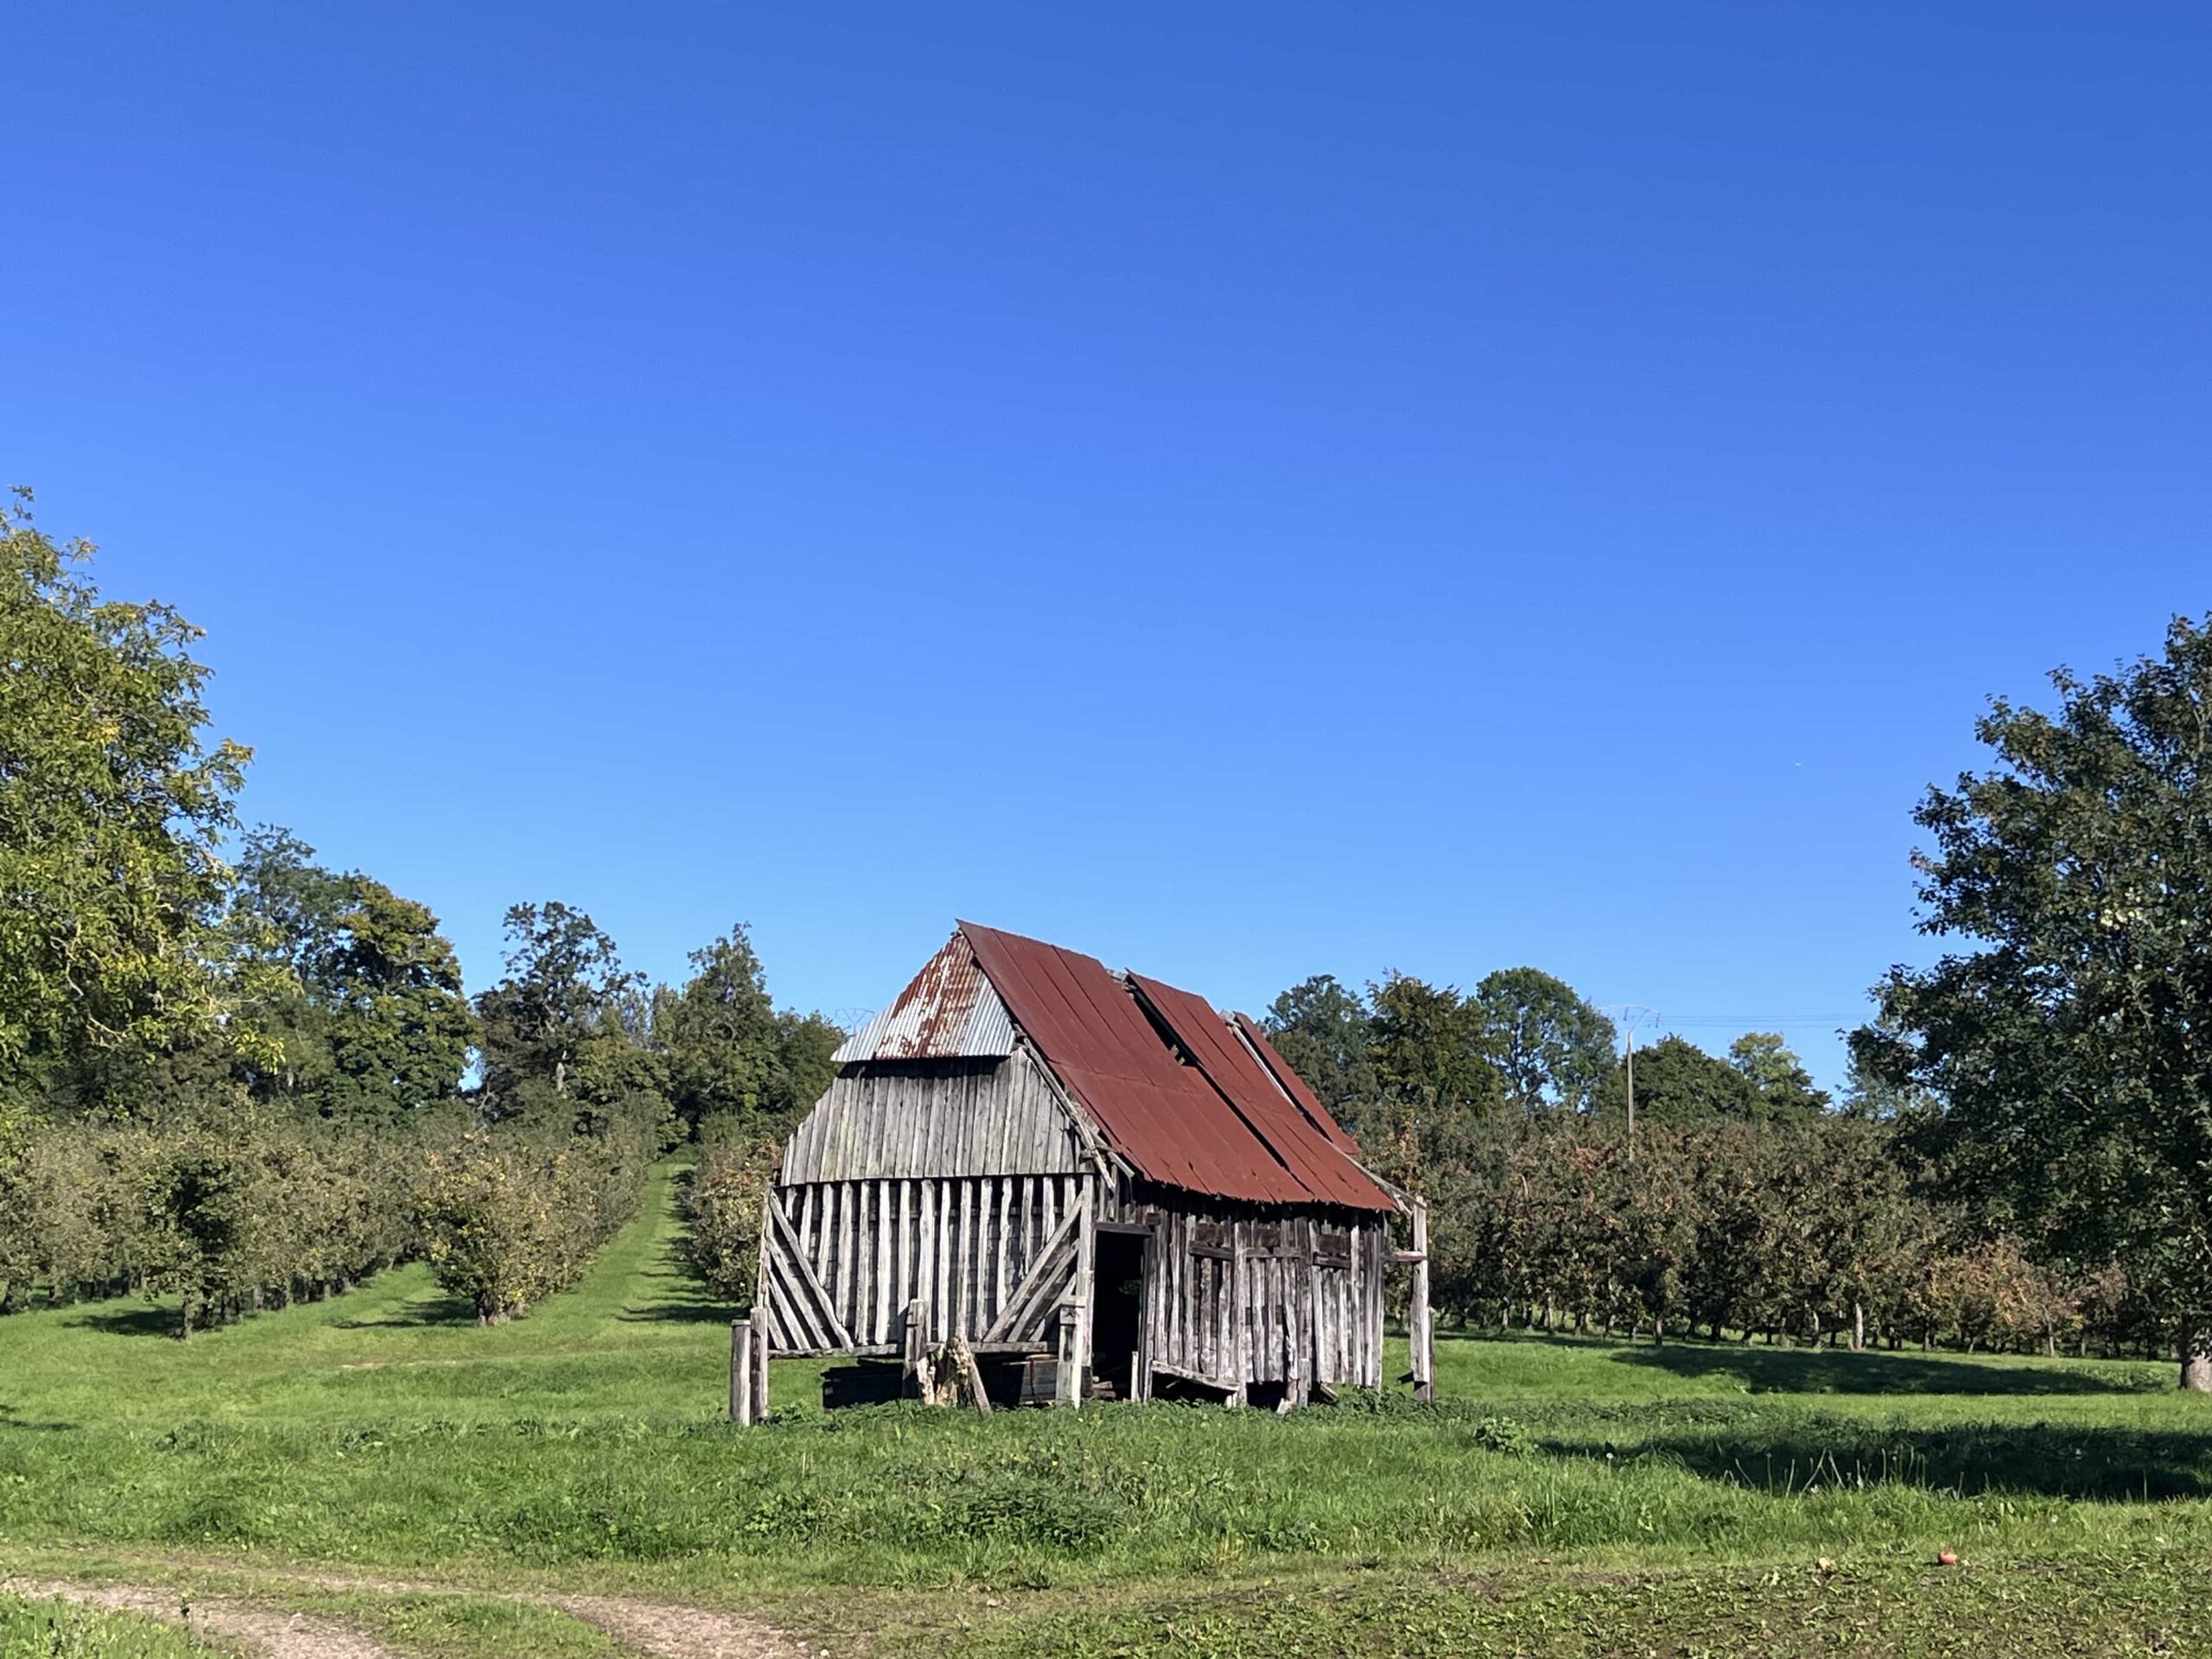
column 1093, row 1183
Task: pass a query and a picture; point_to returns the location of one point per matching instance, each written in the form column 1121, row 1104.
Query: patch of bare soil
column 278, row 1635
column 674, row 1632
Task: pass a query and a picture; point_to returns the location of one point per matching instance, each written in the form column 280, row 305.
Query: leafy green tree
column 1428, row 1046
column 564, row 978
column 1553, row 1048
column 1677, row 1082
column 111, row 809
column 1778, row 1078
column 731, row 1057
column 1321, row 1028
column 2068, row 1033
column 356, row 993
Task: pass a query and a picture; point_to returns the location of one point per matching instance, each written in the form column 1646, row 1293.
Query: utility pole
column 1628, row 1016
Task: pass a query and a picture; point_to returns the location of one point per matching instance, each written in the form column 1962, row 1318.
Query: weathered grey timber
column 1061, row 1194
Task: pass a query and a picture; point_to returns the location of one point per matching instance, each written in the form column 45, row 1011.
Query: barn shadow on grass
column 1828, row 1371
column 1803, row 1457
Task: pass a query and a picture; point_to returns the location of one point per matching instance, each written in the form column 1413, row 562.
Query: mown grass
column 585, row 1444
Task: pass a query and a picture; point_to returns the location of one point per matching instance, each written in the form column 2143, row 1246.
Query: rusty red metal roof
column 1308, row 1103
column 1176, row 1123
column 1311, row 1157
column 948, row 1012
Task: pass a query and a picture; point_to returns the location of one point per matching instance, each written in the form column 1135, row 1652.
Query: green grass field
column 1574, row 1497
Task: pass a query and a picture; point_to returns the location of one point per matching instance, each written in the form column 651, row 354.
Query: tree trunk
column 2196, row 1355
column 1858, row 1326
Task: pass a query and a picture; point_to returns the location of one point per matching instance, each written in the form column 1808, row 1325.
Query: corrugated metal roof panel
column 1308, row 1102
column 949, row 1012
column 1171, row 1121
column 1323, row 1168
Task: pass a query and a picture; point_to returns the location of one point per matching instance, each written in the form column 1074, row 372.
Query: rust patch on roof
column 948, row 1012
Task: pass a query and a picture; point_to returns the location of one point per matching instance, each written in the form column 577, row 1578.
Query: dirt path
column 663, row 1629
column 278, row 1636
column 674, row 1632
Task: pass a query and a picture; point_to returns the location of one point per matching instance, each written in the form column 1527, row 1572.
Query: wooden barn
column 1033, row 1178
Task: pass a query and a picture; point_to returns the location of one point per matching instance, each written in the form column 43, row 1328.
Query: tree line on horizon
column 233, row 1073
column 230, row 1073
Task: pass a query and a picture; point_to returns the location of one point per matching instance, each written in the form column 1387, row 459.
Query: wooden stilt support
column 919, row 1365
column 1420, row 1324
column 740, row 1371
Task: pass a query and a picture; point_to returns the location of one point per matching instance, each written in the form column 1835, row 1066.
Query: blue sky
column 1245, row 491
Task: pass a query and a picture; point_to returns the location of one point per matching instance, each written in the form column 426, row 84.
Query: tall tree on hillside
column 2070, row 1035
column 112, row 807
column 1428, row 1046
column 1778, row 1077
column 1553, row 1048
column 564, row 978
column 1321, row 1028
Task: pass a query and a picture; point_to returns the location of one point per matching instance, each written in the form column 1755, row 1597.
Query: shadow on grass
column 437, row 1309
column 10, row 1418
column 2043, row 1459
column 140, row 1319
column 1828, row 1371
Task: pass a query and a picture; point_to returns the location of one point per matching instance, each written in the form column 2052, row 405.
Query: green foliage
column 565, row 989
column 36, row 1629
column 1320, row 1028
column 2066, row 1043
column 356, row 992
column 112, row 808
column 1781, row 1087
column 510, row 1217
column 731, row 1056
column 1677, row 1082
column 1552, row 1048
column 1430, row 1047
column 723, row 1203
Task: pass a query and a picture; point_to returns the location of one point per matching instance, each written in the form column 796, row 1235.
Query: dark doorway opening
column 1117, row 1311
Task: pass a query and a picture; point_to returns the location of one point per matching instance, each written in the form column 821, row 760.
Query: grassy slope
column 584, row 1444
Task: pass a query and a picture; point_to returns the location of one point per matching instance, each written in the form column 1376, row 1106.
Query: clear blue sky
column 1241, row 490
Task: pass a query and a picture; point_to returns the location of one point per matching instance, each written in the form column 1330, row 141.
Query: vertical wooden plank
column 906, row 1290
column 1085, row 1259
column 1240, row 1294
column 964, row 1309
column 941, row 1309
column 881, row 1256
column 1001, row 1246
column 1422, row 1325
column 925, row 1248
column 740, row 1371
column 842, row 1287
column 759, row 1381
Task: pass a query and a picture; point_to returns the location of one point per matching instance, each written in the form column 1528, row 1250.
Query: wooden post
column 740, row 1371
column 1067, row 1382
column 759, row 1380
column 1420, row 1327
column 917, row 1345
column 1240, row 1290
column 968, row 1375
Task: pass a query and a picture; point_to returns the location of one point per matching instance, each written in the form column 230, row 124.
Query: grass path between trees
column 380, row 1463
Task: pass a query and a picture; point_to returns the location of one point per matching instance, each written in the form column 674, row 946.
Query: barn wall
column 1245, row 1299
column 901, row 1120
column 990, row 1258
